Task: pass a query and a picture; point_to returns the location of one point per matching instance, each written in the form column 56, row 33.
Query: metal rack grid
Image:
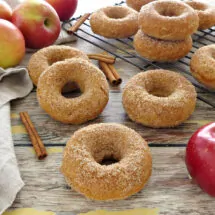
column 128, row 54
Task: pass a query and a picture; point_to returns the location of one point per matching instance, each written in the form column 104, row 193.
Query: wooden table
column 169, row 188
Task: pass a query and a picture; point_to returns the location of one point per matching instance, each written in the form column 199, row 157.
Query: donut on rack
column 202, row 65
column 84, row 161
column 159, row 98
column 92, row 83
column 168, row 20
column 44, row 58
column 137, row 4
column 161, row 50
column 205, row 12
column 115, row 22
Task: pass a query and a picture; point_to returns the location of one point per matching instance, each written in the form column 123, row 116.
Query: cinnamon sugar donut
column 115, row 22
column 137, row 4
column 161, row 50
column 159, row 98
column 92, row 83
column 168, row 20
column 87, row 150
column 202, row 65
column 45, row 57
column 205, row 12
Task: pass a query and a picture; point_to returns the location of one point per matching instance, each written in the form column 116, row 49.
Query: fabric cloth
column 14, row 83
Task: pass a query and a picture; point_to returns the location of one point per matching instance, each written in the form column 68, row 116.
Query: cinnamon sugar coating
column 45, row 57
column 161, row 50
column 202, row 65
column 92, row 83
column 87, row 148
column 159, row 98
column 137, row 4
column 205, row 12
column 168, row 20
column 114, row 22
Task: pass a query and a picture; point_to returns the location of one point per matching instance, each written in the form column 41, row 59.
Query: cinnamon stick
column 102, row 57
column 109, row 73
column 35, row 139
column 113, row 70
column 78, row 23
column 115, row 73
column 104, row 67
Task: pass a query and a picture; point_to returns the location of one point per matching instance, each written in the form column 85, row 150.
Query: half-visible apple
column 12, row 44
column 200, row 158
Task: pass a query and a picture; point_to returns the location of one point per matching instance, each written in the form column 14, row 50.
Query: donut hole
column 107, row 155
column 169, row 13
column 116, row 13
column 71, row 90
column 160, row 89
column 108, row 160
column 169, row 10
column 54, row 59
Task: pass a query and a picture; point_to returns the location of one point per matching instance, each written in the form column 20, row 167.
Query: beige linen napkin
column 14, row 83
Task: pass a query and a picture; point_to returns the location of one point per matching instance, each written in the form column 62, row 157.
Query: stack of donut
column 165, row 31
column 53, row 68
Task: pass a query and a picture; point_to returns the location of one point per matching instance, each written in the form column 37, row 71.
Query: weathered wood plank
column 55, row 132
column 169, row 188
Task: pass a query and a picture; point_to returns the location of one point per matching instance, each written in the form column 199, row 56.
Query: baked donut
column 45, row 57
column 205, row 12
column 172, row 20
column 89, row 148
column 161, row 50
column 92, row 83
column 137, row 4
column 115, row 22
column 202, row 65
column 159, row 98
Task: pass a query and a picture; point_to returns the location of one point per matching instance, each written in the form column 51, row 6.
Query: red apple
column 5, row 11
column 64, row 8
column 200, row 158
column 12, row 44
column 38, row 21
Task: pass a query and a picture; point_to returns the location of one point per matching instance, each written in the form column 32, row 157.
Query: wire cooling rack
column 124, row 50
